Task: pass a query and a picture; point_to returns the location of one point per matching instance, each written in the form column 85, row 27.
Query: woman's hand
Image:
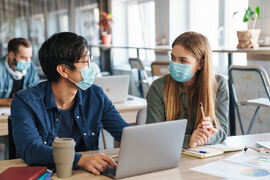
column 199, row 137
column 207, row 124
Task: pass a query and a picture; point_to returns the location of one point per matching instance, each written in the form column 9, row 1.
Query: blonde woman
column 191, row 81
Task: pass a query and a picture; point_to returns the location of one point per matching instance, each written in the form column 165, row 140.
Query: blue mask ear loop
column 71, row 69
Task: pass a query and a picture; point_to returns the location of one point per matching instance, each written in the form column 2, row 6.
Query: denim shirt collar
column 50, row 100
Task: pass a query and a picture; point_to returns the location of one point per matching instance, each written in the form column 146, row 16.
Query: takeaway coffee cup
column 63, row 154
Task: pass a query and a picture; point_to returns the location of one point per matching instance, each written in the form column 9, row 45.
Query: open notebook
column 206, row 151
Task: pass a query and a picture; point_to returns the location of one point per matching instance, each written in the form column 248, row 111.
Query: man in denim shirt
column 17, row 72
column 67, row 105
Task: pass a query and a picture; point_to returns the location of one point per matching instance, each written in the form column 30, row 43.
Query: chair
column 253, row 78
column 141, row 117
column 159, row 68
column 136, row 64
column 11, row 144
column 103, row 139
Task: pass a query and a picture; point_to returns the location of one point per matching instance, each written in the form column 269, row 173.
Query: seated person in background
column 17, row 72
column 67, row 105
column 191, row 80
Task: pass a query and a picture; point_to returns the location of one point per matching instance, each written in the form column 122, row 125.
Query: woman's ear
column 62, row 70
column 201, row 64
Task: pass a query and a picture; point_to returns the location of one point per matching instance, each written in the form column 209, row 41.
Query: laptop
column 115, row 87
column 148, row 148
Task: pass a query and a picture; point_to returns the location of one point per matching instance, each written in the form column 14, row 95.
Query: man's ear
column 11, row 55
column 62, row 70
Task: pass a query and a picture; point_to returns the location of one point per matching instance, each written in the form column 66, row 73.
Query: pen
column 201, row 106
column 261, row 150
column 198, row 151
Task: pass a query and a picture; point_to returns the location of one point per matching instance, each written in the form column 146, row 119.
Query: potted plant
column 105, row 24
column 249, row 38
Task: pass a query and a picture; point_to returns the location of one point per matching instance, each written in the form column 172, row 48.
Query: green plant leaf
column 258, row 12
column 236, row 12
column 249, row 14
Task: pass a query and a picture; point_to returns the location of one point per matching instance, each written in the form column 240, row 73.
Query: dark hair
column 13, row 44
column 61, row 48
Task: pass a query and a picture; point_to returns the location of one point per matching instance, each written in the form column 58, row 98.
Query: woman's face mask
column 180, row 72
column 183, row 65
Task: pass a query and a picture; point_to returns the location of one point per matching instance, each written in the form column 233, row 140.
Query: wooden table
column 230, row 51
column 182, row 172
column 3, row 125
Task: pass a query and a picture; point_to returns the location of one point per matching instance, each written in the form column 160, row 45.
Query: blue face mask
column 180, row 72
column 88, row 75
column 22, row 65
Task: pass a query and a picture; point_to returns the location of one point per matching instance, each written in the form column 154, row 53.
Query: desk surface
column 132, row 102
column 261, row 50
column 182, row 172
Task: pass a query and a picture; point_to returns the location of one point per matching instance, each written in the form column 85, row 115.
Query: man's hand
column 96, row 163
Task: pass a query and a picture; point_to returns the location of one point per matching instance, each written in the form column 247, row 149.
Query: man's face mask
column 88, row 75
column 21, row 65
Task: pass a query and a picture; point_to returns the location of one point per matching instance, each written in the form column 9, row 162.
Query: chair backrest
column 141, row 117
column 160, row 68
column 11, row 144
column 249, row 82
column 136, row 63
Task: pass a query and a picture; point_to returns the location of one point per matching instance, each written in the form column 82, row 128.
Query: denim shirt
column 31, row 79
column 35, row 121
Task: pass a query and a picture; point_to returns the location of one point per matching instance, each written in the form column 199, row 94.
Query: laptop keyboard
column 111, row 171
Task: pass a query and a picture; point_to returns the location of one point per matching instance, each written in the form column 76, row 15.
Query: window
column 58, row 21
column 141, row 28
column 219, row 26
column 86, row 23
column 134, row 25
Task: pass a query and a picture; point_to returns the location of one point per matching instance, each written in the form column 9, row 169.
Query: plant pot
column 106, row 39
column 248, row 38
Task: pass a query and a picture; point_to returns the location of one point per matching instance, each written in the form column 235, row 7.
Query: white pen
column 261, row 150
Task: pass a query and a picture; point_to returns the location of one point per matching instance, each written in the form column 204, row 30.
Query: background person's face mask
column 88, row 76
column 22, row 65
column 180, row 72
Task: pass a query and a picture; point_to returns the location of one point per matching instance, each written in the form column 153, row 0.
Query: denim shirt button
column 45, row 142
column 57, row 119
column 84, row 134
column 93, row 133
column 78, row 117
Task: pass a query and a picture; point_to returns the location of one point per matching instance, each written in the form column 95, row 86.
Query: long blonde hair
column 205, row 83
